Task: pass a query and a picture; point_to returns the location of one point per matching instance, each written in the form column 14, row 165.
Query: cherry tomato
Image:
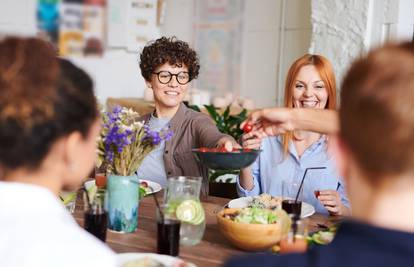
column 222, row 149
column 247, row 150
column 236, row 149
column 247, row 128
column 143, row 184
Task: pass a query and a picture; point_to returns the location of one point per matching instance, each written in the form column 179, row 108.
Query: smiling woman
column 168, row 65
column 310, row 84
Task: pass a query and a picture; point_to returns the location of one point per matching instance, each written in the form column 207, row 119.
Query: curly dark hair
column 168, row 50
column 42, row 98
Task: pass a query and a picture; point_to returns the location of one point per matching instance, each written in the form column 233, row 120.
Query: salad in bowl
column 253, row 215
column 253, row 228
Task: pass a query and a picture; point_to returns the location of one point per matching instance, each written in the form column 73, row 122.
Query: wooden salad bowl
column 253, row 237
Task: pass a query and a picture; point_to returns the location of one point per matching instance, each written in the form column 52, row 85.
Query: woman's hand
column 276, row 121
column 331, row 200
column 228, row 144
column 270, row 122
column 252, row 140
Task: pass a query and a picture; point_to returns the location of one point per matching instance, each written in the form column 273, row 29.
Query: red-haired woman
column 310, row 84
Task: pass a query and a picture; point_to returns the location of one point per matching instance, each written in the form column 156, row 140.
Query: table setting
column 148, row 225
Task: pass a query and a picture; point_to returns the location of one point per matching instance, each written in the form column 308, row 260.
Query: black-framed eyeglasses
column 165, row 77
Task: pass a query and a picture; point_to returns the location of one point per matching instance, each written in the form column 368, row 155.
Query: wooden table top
column 213, row 250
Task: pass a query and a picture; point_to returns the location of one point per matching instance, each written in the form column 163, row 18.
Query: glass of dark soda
column 292, row 194
column 168, row 231
column 96, row 215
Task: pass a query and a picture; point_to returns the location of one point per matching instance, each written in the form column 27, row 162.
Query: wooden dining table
column 213, row 250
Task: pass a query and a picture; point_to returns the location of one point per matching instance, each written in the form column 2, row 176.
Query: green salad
column 255, row 215
column 323, row 237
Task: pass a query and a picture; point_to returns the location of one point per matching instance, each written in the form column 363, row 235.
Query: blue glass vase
column 123, row 201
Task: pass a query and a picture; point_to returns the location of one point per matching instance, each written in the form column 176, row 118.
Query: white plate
column 168, row 261
column 242, row 202
column 156, row 187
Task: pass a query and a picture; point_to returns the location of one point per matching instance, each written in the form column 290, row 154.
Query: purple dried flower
column 117, row 109
column 167, row 135
column 156, row 140
column 120, row 131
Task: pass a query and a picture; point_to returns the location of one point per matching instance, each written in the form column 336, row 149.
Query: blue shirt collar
column 315, row 147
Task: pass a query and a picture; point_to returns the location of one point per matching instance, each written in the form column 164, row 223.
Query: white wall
column 178, row 20
column 343, row 30
column 17, row 17
column 276, row 33
column 260, row 58
column 295, row 35
column 405, row 23
column 116, row 74
column 339, row 31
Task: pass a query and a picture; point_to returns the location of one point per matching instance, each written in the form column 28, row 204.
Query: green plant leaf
column 195, row 107
column 221, row 125
column 212, row 111
column 226, row 113
column 214, row 176
column 217, row 173
column 243, row 114
column 226, row 123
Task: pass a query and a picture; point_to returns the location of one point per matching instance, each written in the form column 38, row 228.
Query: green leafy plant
column 226, row 123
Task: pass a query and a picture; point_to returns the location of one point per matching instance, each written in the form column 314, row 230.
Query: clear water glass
column 183, row 195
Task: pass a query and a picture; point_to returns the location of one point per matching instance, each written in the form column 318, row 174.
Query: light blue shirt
column 152, row 167
column 272, row 167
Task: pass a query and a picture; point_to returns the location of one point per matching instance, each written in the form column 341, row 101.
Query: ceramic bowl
column 252, row 237
column 235, row 160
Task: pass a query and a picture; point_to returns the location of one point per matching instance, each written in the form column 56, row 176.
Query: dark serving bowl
column 226, row 160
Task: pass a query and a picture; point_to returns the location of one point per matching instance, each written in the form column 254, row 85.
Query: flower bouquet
column 122, row 146
column 125, row 142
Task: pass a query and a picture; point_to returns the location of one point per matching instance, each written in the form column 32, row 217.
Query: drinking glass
column 96, row 215
column 100, row 180
column 183, row 194
column 69, row 200
column 168, row 231
column 292, row 194
column 100, row 177
column 295, row 240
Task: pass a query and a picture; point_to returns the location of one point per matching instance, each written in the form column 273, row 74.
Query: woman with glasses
column 168, row 66
column 310, row 84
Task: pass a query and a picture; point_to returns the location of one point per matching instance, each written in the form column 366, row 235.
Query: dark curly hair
column 42, row 98
column 168, row 50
